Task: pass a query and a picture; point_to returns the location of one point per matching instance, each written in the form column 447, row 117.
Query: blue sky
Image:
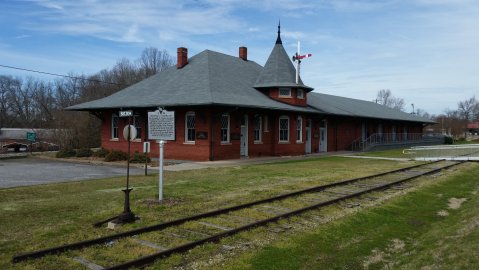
column 424, row 51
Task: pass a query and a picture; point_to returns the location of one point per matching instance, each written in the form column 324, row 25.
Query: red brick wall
column 293, row 100
column 341, row 132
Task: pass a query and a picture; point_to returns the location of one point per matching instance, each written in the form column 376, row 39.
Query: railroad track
column 176, row 236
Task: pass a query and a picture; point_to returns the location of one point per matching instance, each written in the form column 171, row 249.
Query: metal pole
column 160, row 193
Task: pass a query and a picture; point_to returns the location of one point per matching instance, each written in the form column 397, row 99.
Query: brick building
column 227, row 107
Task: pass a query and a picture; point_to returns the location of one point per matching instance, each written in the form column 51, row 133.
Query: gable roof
column 209, row 78
column 336, row 105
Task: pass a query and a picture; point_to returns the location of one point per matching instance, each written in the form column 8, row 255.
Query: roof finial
column 278, row 40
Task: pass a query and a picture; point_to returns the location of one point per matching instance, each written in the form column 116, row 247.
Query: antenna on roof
column 297, row 58
column 278, row 39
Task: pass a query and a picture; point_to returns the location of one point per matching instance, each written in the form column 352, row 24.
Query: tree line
column 451, row 122
column 39, row 104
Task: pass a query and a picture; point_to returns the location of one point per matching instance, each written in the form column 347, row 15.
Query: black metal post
column 127, row 216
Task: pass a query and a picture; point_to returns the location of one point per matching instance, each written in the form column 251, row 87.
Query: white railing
column 448, row 152
column 361, row 144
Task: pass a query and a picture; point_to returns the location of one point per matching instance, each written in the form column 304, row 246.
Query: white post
column 297, row 65
column 160, row 193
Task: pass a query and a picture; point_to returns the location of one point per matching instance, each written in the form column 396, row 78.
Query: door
column 364, row 131
column 244, row 136
column 323, row 140
column 308, row 137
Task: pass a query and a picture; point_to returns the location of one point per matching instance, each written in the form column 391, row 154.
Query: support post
column 160, row 188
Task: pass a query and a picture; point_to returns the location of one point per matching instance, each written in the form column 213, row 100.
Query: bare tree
column 467, row 109
column 385, row 97
column 153, row 61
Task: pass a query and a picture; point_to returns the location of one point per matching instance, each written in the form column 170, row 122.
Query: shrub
column 65, row 153
column 101, row 153
column 116, row 155
column 139, row 158
column 84, row 152
column 448, row 140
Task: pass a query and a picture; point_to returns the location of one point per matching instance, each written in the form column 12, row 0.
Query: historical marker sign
column 161, row 125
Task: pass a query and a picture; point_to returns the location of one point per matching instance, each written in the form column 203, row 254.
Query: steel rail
column 143, row 261
column 160, row 226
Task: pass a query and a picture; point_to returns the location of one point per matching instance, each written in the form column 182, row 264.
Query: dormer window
column 300, row 93
column 285, row 92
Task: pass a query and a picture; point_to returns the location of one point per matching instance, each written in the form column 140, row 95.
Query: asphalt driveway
column 34, row 171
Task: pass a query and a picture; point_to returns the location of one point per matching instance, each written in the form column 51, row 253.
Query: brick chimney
column 243, row 53
column 182, row 57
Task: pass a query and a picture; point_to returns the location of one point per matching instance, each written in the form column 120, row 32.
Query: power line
column 60, row 75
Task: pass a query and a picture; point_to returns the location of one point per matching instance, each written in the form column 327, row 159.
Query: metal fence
column 448, row 152
column 376, row 139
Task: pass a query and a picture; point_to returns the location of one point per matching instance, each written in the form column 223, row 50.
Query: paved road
column 34, row 171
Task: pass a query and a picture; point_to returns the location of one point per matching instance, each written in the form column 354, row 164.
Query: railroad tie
column 214, row 225
column 88, row 264
column 149, row 244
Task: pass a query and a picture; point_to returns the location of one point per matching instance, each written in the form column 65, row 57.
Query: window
column 300, row 93
column 299, row 129
column 190, row 127
column 114, row 126
column 257, row 128
column 285, row 92
column 284, row 129
column 137, row 124
column 225, row 128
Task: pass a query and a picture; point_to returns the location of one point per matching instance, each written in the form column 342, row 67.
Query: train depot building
column 228, row 107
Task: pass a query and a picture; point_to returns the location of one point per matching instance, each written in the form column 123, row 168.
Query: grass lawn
column 434, row 227
column 43, row 216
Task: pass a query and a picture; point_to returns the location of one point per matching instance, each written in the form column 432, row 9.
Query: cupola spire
column 278, row 39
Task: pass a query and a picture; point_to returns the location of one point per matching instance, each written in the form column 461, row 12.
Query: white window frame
column 299, row 129
column 187, row 129
column 298, row 95
column 225, row 129
column 283, row 95
column 113, row 128
column 283, row 140
column 258, row 129
column 137, row 120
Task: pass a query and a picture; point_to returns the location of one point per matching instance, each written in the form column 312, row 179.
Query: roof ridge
column 208, row 62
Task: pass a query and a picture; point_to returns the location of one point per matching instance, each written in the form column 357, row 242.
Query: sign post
column 31, row 137
column 146, row 150
column 161, row 127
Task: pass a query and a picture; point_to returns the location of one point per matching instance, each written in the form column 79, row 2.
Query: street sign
column 31, row 136
column 132, row 132
column 161, row 125
column 127, row 113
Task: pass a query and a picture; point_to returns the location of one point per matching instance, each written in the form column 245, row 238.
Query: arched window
column 114, row 126
column 225, row 128
column 283, row 128
column 190, row 120
column 257, row 128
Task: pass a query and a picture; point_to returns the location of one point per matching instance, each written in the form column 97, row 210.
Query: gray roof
column 209, row 78
column 212, row 78
column 279, row 71
column 336, row 105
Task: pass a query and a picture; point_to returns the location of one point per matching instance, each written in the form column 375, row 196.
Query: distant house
column 15, row 140
column 473, row 127
column 230, row 107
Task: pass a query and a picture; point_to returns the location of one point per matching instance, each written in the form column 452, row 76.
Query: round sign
column 129, row 130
